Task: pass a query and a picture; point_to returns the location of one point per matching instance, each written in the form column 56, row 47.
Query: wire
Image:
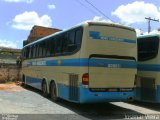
column 78, row 1
column 98, row 10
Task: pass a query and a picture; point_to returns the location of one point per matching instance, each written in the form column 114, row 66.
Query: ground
column 30, row 104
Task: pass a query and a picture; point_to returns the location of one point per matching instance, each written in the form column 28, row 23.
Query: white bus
column 91, row 62
column 148, row 79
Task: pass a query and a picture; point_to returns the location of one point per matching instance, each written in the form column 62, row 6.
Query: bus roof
column 149, row 35
column 98, row 23
column 87, row 23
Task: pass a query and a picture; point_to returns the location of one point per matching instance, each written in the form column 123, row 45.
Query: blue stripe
column 86, row 96
column 112, row 63
column 86, row 62
column 63, row 91
column 34, row 82
column 148, row 67
column 129, row 41
column 96, row 35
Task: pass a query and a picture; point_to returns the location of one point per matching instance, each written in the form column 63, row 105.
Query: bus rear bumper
column 87, row 96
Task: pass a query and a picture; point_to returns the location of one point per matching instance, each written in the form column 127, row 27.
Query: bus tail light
column 85, row 79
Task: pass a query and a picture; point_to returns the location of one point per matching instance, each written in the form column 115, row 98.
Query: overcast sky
column 17, row 17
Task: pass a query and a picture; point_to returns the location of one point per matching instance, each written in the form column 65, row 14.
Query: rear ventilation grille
column 148, row 91
column 73, row 87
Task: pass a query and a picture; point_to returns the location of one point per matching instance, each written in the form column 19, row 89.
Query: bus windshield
column 147, row 48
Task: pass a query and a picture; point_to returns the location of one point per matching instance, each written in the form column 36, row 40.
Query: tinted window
column 48, row 53
column 78, row 37
column 71, row 37
column 52, row 45
column 62, row 44
column 44, row 48
column 74, row 39
column 27, row 52
column 30, row 51
column 58, row 41
column 147, row 48
column 40, row 50
column 34, row 51
column 37, row 50
column 65, row 43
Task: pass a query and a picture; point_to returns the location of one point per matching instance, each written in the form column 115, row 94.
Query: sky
column 17, row 17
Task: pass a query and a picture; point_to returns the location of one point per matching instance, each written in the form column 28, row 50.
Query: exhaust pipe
column 130, row 99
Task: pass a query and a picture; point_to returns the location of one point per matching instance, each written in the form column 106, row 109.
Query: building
column 38, row 32
column 9, row 55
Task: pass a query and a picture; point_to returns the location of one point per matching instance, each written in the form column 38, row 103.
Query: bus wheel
column 23, row 81
column 44, row 89
column 53, row 92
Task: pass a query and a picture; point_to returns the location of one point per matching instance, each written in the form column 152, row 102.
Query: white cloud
column 27, row 20
column 6, row 43
column 51, row 6
column 136, row 12
column 26, row 1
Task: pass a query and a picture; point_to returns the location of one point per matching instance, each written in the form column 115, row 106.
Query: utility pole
column 149, row 21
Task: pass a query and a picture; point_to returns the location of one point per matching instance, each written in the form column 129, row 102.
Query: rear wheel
column 54, row 92
column 44, row 89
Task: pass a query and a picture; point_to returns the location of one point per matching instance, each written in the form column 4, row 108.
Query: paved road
column 29, row 104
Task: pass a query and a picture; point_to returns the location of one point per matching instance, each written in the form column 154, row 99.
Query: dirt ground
column 11, row 87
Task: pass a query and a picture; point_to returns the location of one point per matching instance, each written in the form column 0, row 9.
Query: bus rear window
column 147, row 48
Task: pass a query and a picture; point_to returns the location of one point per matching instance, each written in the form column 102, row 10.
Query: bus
column 148, row 73
column 88, row 63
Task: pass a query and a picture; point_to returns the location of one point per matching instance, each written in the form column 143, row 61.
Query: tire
column 53, row 92
column 44, row 89
column 23, row 81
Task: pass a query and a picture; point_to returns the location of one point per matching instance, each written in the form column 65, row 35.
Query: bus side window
column 34, row 51
column 64, row 44
column 40, row 50
column 48, row 48
column 27, row 52
column 71, row 41
column 36, row 54
column 31, row 52
column 44, row 49
column 78, row 37
column 58, row 45
column 52, row 44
